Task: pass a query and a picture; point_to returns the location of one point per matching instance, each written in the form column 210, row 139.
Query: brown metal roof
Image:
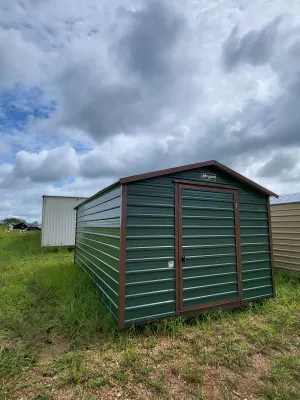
column 210, row 163
column 154, row 174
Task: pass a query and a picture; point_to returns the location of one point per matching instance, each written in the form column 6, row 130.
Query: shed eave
column 284, row 204
column 188, row 167
column 99, row 193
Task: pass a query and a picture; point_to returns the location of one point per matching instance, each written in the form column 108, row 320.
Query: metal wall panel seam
column 209, row 296
column 105, row 273
column 259, row 297
column 154, row 293
column 151, row 281
column 103, row 234
column 102, row 243
column 102, row 290
column 122, row 260
column 105, row 263
column 98, row 204
column 100, row 251
column 142, row 271
column 256, row 287
column 149, row 305
column 102, row 280
column 149, row 317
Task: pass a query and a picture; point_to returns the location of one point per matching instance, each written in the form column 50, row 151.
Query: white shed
column 59, row 220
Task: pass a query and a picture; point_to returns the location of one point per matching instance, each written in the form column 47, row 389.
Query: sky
column 97, row 90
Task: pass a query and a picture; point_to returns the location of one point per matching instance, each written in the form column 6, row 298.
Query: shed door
column 208, row 254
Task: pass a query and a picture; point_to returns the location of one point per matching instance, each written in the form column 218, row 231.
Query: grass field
column 57, row 342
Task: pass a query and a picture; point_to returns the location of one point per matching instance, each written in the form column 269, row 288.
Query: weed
column 232, row 353
column 228, row 388
column 43, row 397
column 196, row 394
column 132, row 363
column 71, row 366
column 14, row 359
column 99, row 382
column 157, row 385
column 193, row 374
column 283, row 380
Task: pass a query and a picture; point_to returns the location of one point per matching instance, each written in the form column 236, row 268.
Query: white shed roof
column 286, row 198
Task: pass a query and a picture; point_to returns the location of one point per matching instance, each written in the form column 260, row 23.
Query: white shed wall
column 59, row 220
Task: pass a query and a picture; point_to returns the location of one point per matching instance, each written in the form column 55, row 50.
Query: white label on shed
column 171, row 264
column 208, row 176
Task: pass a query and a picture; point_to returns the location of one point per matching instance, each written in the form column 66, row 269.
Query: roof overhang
column 154, row 174
column 210, row 163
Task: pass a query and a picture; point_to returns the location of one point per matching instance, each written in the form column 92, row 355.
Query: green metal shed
column 177, row 242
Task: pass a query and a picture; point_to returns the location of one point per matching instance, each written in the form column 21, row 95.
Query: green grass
column 71, row 365
column 283, row 380
column 13, row 360
column 42, row 293
column 53, row 328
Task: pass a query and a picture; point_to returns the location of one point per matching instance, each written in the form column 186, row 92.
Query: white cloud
column 20, row 60
column 26, row 201
column 54, row 165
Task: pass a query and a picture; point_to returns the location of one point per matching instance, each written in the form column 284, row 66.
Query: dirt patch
column 210, row 388
column 53, row 346
column 85, row 393
column 252, row 379
column 30, row 384
column 8, row 344
column 221, row 382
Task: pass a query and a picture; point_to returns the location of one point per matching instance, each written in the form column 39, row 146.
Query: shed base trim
column 195, row 313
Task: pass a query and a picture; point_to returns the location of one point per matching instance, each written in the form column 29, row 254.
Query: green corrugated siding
column 98, row 244
column 150, row 284
column 203, row 280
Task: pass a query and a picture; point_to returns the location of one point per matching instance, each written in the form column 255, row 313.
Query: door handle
column 183, row 259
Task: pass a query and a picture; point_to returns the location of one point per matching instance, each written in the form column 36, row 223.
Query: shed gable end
column 150, row 238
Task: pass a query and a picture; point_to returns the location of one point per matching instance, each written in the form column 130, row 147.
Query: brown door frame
column 179, row 185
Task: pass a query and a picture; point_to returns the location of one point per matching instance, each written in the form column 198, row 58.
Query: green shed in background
column 177, row 242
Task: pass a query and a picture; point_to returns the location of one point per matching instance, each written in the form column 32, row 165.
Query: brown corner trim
column 177, row 259
column 271, row 247
column 122, row 259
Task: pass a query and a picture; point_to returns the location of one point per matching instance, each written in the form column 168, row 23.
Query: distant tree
column 35, row 223
column 12, row 220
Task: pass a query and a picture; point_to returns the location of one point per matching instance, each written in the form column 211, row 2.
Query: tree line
column 14, row 220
